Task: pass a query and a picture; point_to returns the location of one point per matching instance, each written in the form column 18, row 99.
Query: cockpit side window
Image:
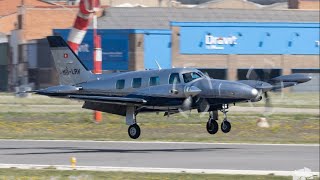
column 174, row 78
column 188, row 77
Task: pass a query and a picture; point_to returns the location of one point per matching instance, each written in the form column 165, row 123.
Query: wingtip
column 24, row 92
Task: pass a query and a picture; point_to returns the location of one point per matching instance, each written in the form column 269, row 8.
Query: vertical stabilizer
column 70, row 69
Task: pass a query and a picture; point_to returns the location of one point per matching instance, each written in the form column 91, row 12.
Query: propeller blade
column 251, row 74
column 187, row 103
column 191, row 91
column 267, row 99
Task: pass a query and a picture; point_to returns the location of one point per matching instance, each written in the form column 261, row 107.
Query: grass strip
column 6, row 174
column 284, row 128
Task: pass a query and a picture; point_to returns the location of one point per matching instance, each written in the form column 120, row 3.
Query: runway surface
column 161, row 155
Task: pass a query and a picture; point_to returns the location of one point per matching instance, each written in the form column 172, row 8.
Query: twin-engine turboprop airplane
column 163, row 90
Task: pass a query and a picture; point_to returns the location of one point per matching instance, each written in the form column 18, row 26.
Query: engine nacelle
column 257, row 99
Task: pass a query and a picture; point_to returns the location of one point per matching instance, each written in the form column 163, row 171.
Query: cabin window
column 154, row 81
column 174, row 78
column 188, row 77
column 120, row 84
column 136, row 82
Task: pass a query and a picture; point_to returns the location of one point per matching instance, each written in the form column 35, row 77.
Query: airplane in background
column 165, row 90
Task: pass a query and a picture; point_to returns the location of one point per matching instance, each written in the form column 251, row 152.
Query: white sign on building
column 214, row 42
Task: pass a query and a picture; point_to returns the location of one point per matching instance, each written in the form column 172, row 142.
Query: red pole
column 97, row 54
column 97, row 69
column 77, row 33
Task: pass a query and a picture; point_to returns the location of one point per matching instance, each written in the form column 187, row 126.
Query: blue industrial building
column 248, row 38
column 115, row 47
column 225, row 43
column 203, row 38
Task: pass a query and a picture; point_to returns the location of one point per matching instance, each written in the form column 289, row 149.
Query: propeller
column 187, row 104
column 189, row 92
column 260, row 82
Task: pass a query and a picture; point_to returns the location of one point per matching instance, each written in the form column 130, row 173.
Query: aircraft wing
column 278, row 82
column 108, row 99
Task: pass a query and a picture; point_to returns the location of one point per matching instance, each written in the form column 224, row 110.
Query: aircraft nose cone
column 309, row 78
column 245, row 92
column 248, row 92
column 235, row 90
column 254, row 92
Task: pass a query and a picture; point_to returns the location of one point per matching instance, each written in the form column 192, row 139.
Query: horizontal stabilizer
column 58, row 90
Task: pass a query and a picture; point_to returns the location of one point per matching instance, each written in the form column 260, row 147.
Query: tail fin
column 70, row 68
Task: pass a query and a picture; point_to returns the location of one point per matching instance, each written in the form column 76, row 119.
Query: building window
column 154, row 81
column 174, row 78
column 136, row 82
column 215, row 73
column 120, row 84
column 258, row 74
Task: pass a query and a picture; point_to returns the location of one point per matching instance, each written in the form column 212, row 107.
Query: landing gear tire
column 225, row 126
column 134, row 131
column 212, row 126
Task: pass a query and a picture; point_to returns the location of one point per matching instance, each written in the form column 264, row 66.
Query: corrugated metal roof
column 160, row 18
column 263, row 2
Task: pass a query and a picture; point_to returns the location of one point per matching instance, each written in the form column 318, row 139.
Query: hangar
column 225, row 43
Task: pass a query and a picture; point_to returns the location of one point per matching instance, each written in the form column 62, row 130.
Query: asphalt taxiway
column 204, row 156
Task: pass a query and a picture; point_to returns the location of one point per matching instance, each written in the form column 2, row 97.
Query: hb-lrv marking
column 68, row 71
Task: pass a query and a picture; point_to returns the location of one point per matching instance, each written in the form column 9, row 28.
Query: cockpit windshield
column 190, row 76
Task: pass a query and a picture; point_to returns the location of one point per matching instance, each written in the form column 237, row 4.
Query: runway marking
column 159, row 142
column 154, row 170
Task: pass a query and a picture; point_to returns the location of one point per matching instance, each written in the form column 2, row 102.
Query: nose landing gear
column 225, row 125
column 212, row 124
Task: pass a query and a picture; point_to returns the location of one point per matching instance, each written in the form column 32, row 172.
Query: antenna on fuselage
column 159, row 67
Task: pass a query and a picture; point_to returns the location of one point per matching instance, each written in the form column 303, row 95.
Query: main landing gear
column 212, row 124
column 134, row 130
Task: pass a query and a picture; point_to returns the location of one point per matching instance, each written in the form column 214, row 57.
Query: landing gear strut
column 225, row 125
column 212, row 124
